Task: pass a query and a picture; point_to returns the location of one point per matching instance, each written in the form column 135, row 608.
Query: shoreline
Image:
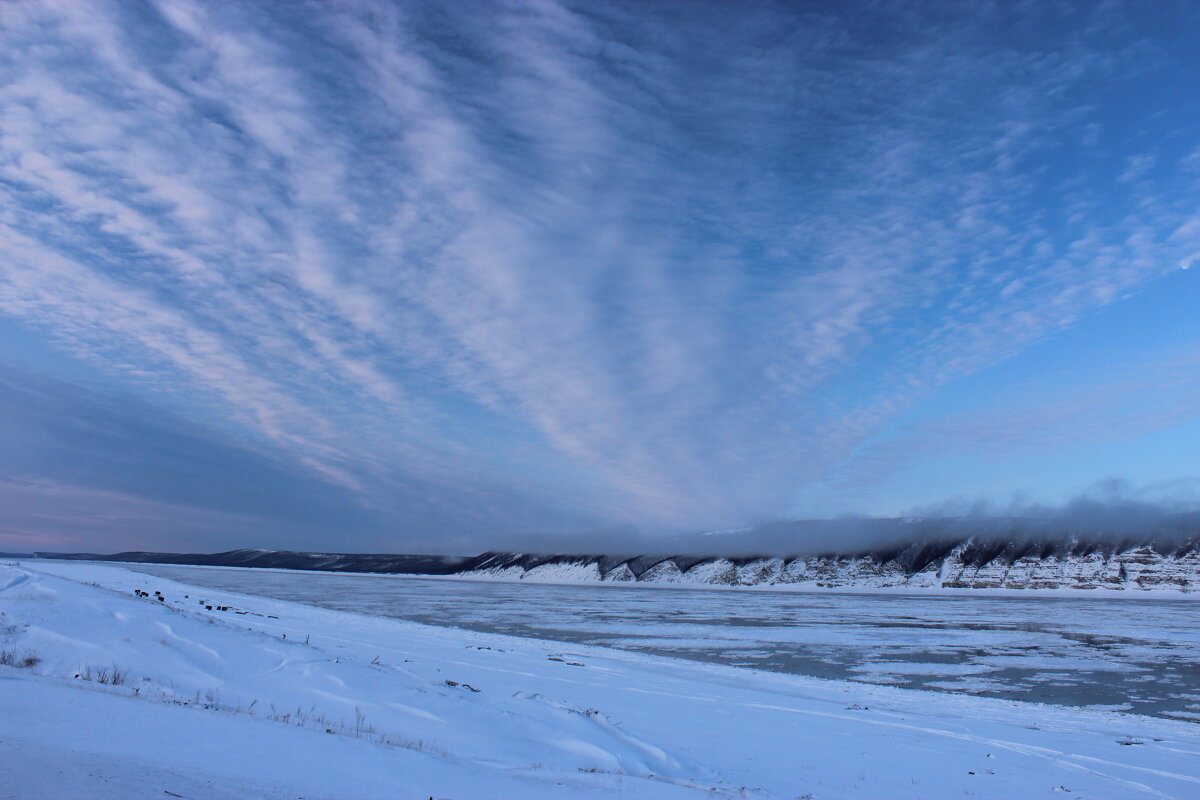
column 781, row 588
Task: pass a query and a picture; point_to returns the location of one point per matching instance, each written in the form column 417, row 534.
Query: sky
column 417, row 276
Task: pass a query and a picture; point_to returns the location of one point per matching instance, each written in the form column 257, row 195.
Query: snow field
column 276, row 699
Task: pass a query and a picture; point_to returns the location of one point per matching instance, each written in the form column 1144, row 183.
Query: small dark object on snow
column 451, row 683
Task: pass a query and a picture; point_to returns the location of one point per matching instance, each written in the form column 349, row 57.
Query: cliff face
column 959, row 565
column 972, row 563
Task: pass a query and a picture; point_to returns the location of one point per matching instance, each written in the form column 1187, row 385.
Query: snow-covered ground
column 272, row 699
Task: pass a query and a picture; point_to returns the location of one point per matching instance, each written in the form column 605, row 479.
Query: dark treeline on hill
column 288, row 559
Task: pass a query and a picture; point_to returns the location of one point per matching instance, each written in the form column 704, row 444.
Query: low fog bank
column 1112, row 515
column 1109, row 519
column 853, row 536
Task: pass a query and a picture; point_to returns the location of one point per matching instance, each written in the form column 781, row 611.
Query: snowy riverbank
column 273, row 699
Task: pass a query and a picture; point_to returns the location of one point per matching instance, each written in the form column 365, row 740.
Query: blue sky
column 421, row 276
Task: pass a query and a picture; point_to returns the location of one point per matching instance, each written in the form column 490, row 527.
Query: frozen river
column 1138, row 655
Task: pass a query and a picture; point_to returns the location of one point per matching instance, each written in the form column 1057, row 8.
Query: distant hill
column 288, row 559
column 975, row 562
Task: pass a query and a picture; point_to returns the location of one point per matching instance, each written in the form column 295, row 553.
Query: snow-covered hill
column 972, row 563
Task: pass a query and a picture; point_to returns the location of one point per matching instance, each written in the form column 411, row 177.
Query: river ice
column 1139, row 655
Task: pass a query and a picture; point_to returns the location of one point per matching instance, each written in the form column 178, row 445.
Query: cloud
column 564, row 264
